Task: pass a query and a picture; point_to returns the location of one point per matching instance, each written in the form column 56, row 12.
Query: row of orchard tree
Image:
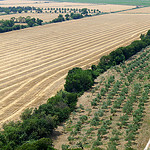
column 19, row 9
column 35, row 129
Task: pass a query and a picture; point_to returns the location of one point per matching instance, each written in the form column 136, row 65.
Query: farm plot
column 34, row 61
column 114, row 114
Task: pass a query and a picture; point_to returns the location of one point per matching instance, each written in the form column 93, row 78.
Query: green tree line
column 18, row 9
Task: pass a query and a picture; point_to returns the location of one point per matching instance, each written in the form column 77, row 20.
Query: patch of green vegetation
column 69, row 128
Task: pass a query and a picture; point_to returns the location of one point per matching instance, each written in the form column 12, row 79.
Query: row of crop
column 113, row 100
column 97, row 122
column 20, row 9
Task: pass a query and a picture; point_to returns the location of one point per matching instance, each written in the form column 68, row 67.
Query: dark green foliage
column 67, row 16
column 59, row 19
column 102, row 130
column 26, row 114
column 79, row 80
column 19, row 9
column 9, row 25
column 42, row 144
column 83, row 118
column 123, row 53
column 95, row 121
column 39, row 123
column 76, row 16
column 84, row 11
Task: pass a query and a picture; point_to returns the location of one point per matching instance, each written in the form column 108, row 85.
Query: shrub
column 78, row 80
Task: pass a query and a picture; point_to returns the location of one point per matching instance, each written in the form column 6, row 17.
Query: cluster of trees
column 73, row 10
column 67, row 17
column 36, row 126
column 79, row 80
column 27, row 19
column 9, row 25
column 60, row 18
column 19, row 9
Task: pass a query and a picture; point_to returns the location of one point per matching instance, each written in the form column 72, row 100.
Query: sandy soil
column 35, row 61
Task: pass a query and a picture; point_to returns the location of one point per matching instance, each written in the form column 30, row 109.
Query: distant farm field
column 35, row 61
column 53, row 4
column 44, row 16
column 121, row 2
column 145, row 10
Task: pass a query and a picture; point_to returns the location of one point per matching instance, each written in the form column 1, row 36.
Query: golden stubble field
column 145, row 10
column 35, row 61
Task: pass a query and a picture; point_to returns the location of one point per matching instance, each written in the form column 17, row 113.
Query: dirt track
column 34, row 61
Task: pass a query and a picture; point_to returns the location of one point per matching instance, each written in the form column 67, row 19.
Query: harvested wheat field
column 44, row 16
column 35, row 61
column 51, row 4
column 145, row 10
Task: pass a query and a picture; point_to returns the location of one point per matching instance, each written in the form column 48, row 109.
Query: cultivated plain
column 35, row 61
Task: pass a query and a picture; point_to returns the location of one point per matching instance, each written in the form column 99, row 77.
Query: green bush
column 79, row 80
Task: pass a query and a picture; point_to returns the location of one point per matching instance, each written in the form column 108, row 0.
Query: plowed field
column 35, row 61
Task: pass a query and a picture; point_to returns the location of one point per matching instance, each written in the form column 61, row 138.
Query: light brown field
column 42, row 4
column 44, row 16
column 145, row 10
column 35, row 61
